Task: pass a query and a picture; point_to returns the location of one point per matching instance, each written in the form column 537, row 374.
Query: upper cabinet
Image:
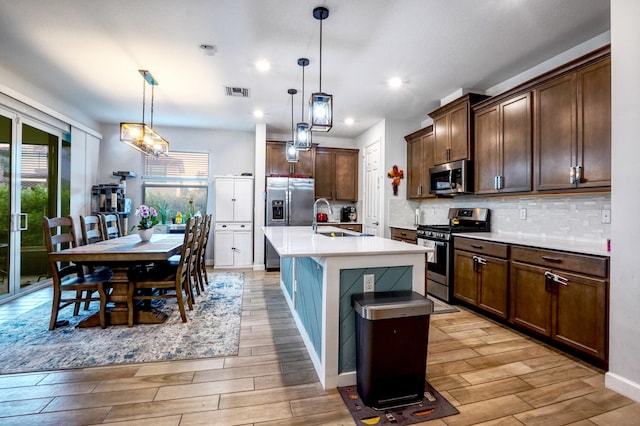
column 573, row 128
column 336, row 175
column 453, row 129
column 419, row 161
column 277, row 164
column 503, row 145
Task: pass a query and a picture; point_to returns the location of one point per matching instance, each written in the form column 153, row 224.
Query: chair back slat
column 111, row 226
column 91, row 227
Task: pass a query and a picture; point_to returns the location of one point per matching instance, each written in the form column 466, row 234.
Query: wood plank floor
column 493, row 375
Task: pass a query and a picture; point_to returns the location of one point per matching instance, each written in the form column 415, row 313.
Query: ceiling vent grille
column 238, row 92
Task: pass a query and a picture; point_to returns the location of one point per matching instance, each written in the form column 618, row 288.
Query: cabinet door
column 441, row 142
column 224, row 199
column 555, row 106
column 414, row 168
column 306, row 165
column 594, row 125
column 580, row 314
column 459, row 133
column 325, row 175
column 243, row 204
column 487, row 151
column 530, row 302
column 493, row 294
column 223, row 248
column 464, row 279
column 242, row 248
column 346, row 176
column 515, row 153
column 277, row 164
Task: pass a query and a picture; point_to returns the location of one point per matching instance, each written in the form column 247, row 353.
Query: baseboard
column 258, row 267
column 622, row 385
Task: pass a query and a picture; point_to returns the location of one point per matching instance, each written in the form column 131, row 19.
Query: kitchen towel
column 431, row 255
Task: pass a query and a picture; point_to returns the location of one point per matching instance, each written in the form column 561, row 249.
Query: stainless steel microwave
column 451, row 178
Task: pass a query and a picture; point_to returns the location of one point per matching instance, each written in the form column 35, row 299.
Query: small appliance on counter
column 348, row 214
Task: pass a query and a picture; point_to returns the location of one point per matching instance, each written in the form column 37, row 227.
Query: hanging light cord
column 144, row 98
column 302, row 98
column 321, row 19
column 292, row 115
column 153, row 90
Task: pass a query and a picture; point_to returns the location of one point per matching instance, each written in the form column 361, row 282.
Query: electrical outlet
column 369, row 282
column 605, row 216
column 523, row 214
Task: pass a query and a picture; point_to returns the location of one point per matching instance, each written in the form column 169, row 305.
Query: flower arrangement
column 148, row 217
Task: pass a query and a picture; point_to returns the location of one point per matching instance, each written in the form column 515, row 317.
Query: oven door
column 437, row 263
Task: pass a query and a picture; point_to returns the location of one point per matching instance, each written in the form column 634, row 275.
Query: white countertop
column 582, row 247
column 301, row 241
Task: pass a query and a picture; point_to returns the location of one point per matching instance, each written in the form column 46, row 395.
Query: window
column 177, row 183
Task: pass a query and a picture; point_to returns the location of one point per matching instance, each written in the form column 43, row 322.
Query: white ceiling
column 87, row 52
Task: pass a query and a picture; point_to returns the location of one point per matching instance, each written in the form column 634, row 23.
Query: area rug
column 433, row 406
column 212, row 330
column 440, row 307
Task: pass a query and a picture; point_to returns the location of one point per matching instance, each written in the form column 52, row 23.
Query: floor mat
column 433, row 406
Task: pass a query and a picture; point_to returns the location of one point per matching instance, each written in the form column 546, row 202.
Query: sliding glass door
column 32, row 158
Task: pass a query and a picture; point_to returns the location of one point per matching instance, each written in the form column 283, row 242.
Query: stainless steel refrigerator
column 289, row 203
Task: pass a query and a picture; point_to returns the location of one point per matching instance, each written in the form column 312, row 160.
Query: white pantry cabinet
column 233, row 230
column 234, row 199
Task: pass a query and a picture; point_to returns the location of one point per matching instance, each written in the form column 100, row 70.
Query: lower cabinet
column 481, row 275
column 233, row 245
column 402, row 234
column 355, row 227
column 561, row 296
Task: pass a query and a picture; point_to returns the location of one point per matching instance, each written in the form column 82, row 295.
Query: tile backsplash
column 569, row 216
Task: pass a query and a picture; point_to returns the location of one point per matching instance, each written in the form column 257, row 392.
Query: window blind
column 179, row 169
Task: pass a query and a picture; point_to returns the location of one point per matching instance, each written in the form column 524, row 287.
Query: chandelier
column 140, row 136
column 321, row 104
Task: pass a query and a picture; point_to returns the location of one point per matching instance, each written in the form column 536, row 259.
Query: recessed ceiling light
column 263, row 65
column 258, row 113
column 395, row 82
column 348, row 121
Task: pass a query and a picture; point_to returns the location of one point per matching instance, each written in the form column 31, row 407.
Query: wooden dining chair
column 91, row 228
column 201, row 266
column 148, row 282
column 111, row 226
column 59, row 234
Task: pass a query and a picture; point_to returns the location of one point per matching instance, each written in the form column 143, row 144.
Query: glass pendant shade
column 321, row 112
column 303, row 137
column 292, row 153
column 144, row 139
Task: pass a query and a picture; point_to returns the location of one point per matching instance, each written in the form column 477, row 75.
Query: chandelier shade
column 320, row 103
column 140, row 136
column 302, row 137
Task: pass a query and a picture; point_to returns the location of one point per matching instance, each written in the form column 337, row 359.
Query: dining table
column 120, row 254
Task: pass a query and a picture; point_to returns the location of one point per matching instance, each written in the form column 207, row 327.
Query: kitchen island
column 318, row 274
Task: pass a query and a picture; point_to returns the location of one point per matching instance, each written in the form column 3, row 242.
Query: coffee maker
column 348, row 214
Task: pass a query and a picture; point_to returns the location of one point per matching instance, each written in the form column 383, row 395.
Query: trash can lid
column 391, row 304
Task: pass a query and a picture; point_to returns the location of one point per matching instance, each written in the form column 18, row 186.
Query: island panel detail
column 309, row 299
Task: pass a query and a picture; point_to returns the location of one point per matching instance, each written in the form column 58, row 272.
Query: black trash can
column 392, row 330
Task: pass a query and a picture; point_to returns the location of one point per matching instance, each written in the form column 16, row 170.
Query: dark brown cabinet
column 336, row 175
column 561, row 296
column 355, row 227
column 402, row 234
column 573, row 129
column 481, row 275
column 419, row 161
column 503, row 146
column 277, row 164
column 453, row 129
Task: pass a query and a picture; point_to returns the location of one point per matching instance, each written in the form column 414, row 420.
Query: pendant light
column 303, row 132
column 140, row 136
column 291, row 153
column 321, row 104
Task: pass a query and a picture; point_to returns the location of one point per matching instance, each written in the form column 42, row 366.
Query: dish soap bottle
column 178, row 218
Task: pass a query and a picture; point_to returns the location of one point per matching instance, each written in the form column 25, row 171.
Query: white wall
column 624, row 346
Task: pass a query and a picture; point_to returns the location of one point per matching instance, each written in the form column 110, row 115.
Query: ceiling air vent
column 238, row 92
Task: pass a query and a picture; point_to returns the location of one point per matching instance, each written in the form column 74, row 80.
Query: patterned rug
column 212, row 330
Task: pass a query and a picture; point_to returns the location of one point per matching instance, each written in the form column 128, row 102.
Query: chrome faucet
column 314, row 225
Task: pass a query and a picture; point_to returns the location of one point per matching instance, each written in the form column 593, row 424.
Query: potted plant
column 148, row 219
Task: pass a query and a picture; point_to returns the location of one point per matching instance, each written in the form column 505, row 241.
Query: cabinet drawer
column 407, row 235
column 485, row 247
column 584, row 264
column 233, row 227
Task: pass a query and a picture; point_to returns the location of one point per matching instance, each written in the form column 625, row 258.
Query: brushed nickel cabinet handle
column 551, row 259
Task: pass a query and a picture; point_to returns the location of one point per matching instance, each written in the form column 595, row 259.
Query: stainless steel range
column 438, row 237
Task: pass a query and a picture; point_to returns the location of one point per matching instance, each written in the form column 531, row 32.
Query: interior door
column 373, row 191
